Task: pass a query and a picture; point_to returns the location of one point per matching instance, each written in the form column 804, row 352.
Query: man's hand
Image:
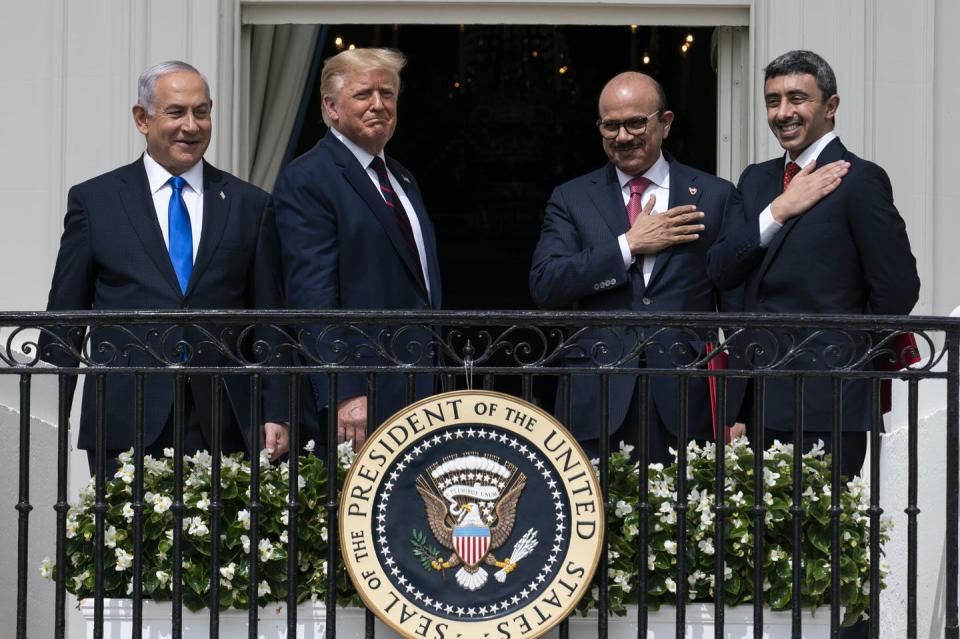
column 653, row 233
column 276, row 440
column 808, row 187
column 738, row 430
column 352, row 420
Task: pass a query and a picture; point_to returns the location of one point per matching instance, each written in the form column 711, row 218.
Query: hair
column 147, row 84
column 807, row 62
column 635, row 75
column 336, row 68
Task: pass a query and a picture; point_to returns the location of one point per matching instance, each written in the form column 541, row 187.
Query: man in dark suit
column 168, row 231
column 822, row 236
column 354, row 234
column 634, row 235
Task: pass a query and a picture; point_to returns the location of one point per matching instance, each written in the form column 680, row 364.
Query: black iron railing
column 501, row 349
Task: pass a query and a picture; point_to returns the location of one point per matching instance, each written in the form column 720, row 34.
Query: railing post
column 952, row 629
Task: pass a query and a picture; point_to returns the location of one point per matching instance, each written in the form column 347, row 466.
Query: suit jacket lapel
column 358, row 178
column 773, row 187
column 683, row 190
column 138, row 205
column 216, row 210
column 607, row 196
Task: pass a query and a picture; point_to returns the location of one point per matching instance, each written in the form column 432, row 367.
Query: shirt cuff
column 768, row 227
column 625, row 252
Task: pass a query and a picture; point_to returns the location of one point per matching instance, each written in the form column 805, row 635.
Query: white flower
column 162, row 504
column 163, row 578
column 202, row 458
column 228, row 571
column 651, row 561
column 124, row 560
column 769, row 477
column 285, row 517
column 110, row 537
column 126, row 473
column 167, row 452
column 79, row 579
column 777, row 555
column 197, row 527
column 310, row 446
column 706, row 546
column 130, row 587
column 72, row 526
column 244, row 518
column 264, row 457
column 204, row 502
column 670, row 546
column 284, row 538
column 626, row 449
column 46, row 568
column 267, row 551
column 263, row 589
column 246, row 543
column 128, row 512
column 670, row 584
column 695, row 576
column 345, row 454
column 126, row 456
column 623, row 509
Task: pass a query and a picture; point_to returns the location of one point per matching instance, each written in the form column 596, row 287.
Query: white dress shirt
column 768, row 225
column 157, row 176
column 659, row 176
column 365, row 158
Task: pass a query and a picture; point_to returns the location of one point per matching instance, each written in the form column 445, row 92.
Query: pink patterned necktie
column 789, row 172
column 635, row 205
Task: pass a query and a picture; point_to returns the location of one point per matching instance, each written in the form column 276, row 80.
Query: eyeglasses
column 634, row 126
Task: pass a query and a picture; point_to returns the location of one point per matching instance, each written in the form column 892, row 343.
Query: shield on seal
column 471, row 543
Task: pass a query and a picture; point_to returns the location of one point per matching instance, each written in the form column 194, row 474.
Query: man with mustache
column 634, row 235
column 354, row 234
column 822, row 236
column 168, row 231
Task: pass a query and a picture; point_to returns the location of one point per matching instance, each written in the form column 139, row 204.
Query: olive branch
column 422, row 550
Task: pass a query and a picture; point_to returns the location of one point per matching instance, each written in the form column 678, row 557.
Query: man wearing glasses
column 633, row 235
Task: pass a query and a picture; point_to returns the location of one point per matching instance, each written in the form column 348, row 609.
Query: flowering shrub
column 622, row 532
column 234, row 532
column 662, row 548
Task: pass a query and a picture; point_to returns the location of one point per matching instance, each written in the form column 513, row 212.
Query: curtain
column 281, row 72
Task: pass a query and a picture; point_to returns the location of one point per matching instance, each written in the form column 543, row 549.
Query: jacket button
column 646, row 300
column 596, row 287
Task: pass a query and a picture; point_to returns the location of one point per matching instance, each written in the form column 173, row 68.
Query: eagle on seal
column 460, row 528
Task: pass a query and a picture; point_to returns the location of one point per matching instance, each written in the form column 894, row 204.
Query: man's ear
column 667, row 118
column 140, row 118
column 833, row 103
column 330, row 108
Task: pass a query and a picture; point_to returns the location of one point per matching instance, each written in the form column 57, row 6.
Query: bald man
column 634, row 235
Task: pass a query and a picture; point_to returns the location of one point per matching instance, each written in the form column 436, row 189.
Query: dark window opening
column 493, row 117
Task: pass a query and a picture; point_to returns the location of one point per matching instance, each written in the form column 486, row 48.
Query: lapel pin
column 405, row 179
column 222, row 196
column 692, row 189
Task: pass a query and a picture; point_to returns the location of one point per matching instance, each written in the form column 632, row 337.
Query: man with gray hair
column 354, row 234
column 168, row 231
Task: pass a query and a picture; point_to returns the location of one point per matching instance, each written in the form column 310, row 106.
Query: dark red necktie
column 399, row 213
column 789, row 172
column 634, row 205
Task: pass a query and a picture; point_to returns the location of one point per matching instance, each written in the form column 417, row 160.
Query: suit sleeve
column 880, row 234
column 72, row 288
column 563, row 271
column 310, row 257
column 734, row 216
column 733, row 257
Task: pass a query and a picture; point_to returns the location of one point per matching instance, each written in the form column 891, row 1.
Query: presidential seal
column 469, row 515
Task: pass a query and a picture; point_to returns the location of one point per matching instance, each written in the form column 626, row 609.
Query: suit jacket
column 341, row 249
column 577, row 264
column 112, row 257
column 848, row 254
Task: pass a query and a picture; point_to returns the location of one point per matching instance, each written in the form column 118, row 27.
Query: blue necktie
column 180, row 234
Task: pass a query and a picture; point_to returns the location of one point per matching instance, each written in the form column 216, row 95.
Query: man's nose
column 376, row 102
column 190, row 122
column 785, row 110
column 623, row 135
